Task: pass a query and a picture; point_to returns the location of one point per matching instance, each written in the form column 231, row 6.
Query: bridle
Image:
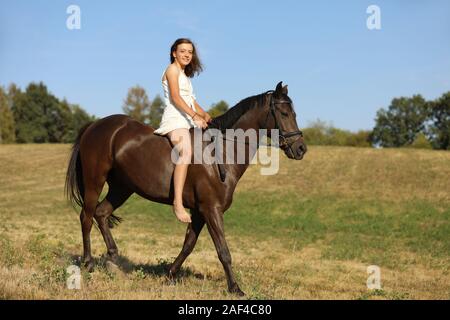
column 284, row 136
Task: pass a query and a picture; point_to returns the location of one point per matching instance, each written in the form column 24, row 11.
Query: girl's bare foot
column 181, row 213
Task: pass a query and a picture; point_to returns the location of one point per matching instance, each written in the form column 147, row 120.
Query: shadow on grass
column 159, row 269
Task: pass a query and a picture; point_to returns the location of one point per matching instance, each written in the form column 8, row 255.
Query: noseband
column 282, row 135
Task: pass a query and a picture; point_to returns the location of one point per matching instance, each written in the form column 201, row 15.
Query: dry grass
column 307, row 233
column 356, row 173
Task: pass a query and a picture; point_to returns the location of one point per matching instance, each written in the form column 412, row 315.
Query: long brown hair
column 195, row 66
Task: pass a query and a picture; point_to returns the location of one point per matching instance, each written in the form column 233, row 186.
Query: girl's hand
column 208, row 118
column 199, row 121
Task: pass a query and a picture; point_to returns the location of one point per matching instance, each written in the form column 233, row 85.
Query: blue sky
column 336, row 69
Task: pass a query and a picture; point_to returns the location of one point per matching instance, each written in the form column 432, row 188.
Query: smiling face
column 183, row 54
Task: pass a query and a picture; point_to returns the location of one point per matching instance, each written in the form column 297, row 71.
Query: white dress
column 172, row 117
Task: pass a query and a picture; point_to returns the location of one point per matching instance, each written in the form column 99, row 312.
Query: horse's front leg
column 214, row 221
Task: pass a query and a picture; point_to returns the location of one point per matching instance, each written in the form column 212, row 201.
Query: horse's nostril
column 302, row 148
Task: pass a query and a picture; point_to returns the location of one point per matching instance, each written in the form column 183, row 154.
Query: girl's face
column 183, row 54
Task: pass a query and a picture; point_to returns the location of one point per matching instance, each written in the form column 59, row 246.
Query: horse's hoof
column 114, row 258
column 171, row 274
column 89, row 266
column 237, row 291
column 171, row 278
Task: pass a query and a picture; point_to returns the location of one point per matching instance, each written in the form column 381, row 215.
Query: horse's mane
column 229, row 118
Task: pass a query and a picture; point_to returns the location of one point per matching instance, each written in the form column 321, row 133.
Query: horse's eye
column 284, row 113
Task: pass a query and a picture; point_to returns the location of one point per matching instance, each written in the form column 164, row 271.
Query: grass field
column 309, row 232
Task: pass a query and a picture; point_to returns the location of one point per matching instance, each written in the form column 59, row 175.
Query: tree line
column 414, row 122
column 408, row 122
column 37, row 116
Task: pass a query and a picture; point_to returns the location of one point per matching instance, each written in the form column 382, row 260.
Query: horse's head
column 281, row 116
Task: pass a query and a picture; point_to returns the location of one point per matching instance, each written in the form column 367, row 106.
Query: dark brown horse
column 131, row 159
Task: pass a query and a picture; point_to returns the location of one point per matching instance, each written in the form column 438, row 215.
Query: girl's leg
column 181, row 141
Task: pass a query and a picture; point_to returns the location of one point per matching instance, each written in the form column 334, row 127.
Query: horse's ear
column 279, row 87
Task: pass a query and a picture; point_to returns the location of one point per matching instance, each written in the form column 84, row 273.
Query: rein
column 283, row 135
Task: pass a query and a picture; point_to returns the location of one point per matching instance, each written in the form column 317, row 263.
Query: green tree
column 218, row 109
column 39, row 115
column 360, row 138
column 79, row 118
column 439, row 129
column 421, row 142
column 321, row 133
column 58, row 120
column 338, row 137
column 28, row 115
column 7, row 127
column 400, row 124
column 137, row 104
column 156, row 111
column 316, row 133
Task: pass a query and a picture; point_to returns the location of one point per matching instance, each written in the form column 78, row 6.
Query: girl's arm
column 172, row 74
column 202, row 112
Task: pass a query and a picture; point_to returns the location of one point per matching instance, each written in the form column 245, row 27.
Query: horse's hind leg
column 86, row 218
column 116, row 196
column 192, row 233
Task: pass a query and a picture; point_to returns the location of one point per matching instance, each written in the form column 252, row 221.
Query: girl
column 181, row 112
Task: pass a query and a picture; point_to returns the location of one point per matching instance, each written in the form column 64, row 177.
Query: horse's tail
column 74, row 187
